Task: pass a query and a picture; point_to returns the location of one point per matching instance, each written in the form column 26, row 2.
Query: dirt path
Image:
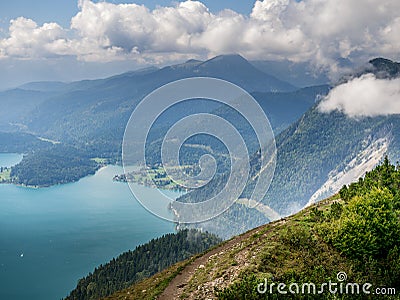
column 176, row 286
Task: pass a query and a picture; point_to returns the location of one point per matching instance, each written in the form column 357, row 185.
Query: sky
column 71, row 40
column 61, row 11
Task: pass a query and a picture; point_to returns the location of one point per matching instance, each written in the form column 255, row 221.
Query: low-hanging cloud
column 320, row 32
column 365, row 96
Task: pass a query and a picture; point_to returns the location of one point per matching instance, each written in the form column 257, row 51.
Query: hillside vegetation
column 144, row 261
column 55, row 165
column 356, row 232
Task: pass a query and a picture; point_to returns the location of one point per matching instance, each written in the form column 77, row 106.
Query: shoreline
column 153, row 177
column 51, row 185
column 151, row 185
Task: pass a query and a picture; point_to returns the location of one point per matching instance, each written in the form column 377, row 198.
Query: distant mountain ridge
column 381, row 68
column 385, row 68
column 43, row 86
column 297, row 73
column 94, row 110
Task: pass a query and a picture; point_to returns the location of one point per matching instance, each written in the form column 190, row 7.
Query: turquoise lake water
column 51, row 237
column 8, row 160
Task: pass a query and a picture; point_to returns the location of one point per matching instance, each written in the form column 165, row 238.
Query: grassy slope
column 222, row 269
column 281, row 250
column 151, row 287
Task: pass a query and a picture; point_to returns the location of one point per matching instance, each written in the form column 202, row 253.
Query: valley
column 86, row 119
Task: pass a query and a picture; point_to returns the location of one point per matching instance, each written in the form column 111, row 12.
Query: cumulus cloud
column 320, row 32
column 133, row 31
column 28, row 40
column 365, row 96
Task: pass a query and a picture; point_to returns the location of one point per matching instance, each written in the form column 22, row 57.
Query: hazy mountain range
column 95, row 109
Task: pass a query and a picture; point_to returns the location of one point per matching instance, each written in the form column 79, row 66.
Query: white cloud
column 321, row 32
column 365, row 96
column 28, row 40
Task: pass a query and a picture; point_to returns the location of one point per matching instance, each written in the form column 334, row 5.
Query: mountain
column 385, row 68
column 109, row 100
column 96, row 111
column 281, row 108
column 16, row 104
column 228, row 67
column 298, row 74
column 304, row 75
column 285, row 108
column 321, row 147
column 316, row 156
column 44, row 86
column 347, row 241
column 382, row 68
column 17, row 142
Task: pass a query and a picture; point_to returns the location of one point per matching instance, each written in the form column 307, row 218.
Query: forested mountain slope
column 144, row 261
column 315, row 156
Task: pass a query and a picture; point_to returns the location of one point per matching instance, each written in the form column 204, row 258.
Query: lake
column 51, row 237
column 9, row 159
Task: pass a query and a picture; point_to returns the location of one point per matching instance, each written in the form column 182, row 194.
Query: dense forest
column 141, row 263
column 17, row 142
column 46, row 163
column 55, row 165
